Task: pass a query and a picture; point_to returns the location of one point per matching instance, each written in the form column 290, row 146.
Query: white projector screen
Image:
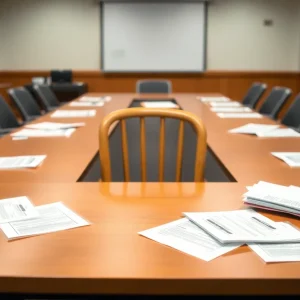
column 157, row 37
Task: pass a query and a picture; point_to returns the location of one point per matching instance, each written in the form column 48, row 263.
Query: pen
column 262, row 222
column 219, row 226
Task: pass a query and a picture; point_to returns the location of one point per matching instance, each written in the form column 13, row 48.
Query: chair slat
column 125, row 150
column 143, row 149
column 179, row 151
column 162, row 149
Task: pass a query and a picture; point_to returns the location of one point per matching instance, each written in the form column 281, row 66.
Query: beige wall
column 46, row 34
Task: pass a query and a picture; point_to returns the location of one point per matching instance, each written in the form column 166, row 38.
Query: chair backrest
column 292, row 116
column 254, row 94
column 274, row 101
column 7, row 117
column 154, row 87
column 25, row 103
column 47, row 96
column 61, row 76
column 123, row 114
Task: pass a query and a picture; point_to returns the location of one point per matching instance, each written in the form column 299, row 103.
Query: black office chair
column 254, row 94
column 26, row 104
column 8, row 120
column 274, row 101
column 292, row 116
column 46, row 96
column 154, row 87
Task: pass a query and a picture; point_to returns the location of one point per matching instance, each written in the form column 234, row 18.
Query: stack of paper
column 251, row 128
column 19, row 162
column 213, row 99
column 231, row 109
column 86, row 103
column 290, row 158
column 95, row 99
column 73, row 113
column 207, row 235
column 239, row 115
column 54, row 125
column 43, row 133
column 225, row 104
column 280, row 132
column 274, row 197
column 159, row 104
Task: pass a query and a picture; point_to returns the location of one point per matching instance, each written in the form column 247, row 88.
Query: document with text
column 213, row 99
column 52, row 217
column 54, row 125
column 252, row 128
column 44, row 133
column 231, row 109
column 290, row 158
column 86, row 103
column 242, row 226
column 278, row 252
column 225, row 104
column 18, row 208
column 17, row 162
column 239, row 115
column 95, row 99
column 73, row 113
column 279, row 132
column 186, row 237
column 159, row 104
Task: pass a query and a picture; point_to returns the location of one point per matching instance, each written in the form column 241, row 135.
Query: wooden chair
column 121, row 115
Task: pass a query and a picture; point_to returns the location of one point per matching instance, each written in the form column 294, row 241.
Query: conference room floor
column 109, row 257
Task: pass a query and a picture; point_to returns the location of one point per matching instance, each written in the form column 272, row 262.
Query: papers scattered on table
column 279, row 132
column 240, row 115
column 52, row 217
column 73, row 113
column 274, row 197
column 231, row 109
column 18, row 162
column 43, row 133
column 54, row 126
column 86, row 103
column 94, row 99
column 184, row 236
column 242, row 226
column 225, row 104
column 213, row 99
column 159, row 104
column 14, row 209
column 278, row 252
column 253, row 128
column 290, row 158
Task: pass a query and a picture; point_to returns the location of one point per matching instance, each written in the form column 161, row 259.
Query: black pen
column 219, row 226
column 262, row 222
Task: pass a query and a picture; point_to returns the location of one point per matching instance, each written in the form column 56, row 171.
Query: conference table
column 109, row 257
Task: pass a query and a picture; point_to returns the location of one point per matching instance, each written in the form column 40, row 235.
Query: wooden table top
column 247, row 158
column 110, row 257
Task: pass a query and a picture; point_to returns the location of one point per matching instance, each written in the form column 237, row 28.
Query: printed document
column 73, row 113
column 231, row 109
column 185, row 236
column 159, row 104
column 240, row 115
column 85, row 103
column 225, row 104
column 52, row 217
column 252, row 128
column 14, row 209
column 17, row 162
column 213, row 99
column 54, row 125
column 278, row 252
column 241, row 226
column 290, row 158
column 94, row 99
column 279, row 132
column 44, row 133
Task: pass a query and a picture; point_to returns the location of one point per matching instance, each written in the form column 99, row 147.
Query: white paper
column 252, row 128
column 18, row 208
column 280, row 132
column 240, row 115
column 213, row 99
column 17, row 162
column 278, row 252
column 54, row 125
column 94, row 99
column 184, row 236
column 290, row 158
column 231, row 109
column 52, row 217
column 44, row 133
column 225, row 104
column 73, row 113
column 86, row 103
column 159, row 104
column 241, row 226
